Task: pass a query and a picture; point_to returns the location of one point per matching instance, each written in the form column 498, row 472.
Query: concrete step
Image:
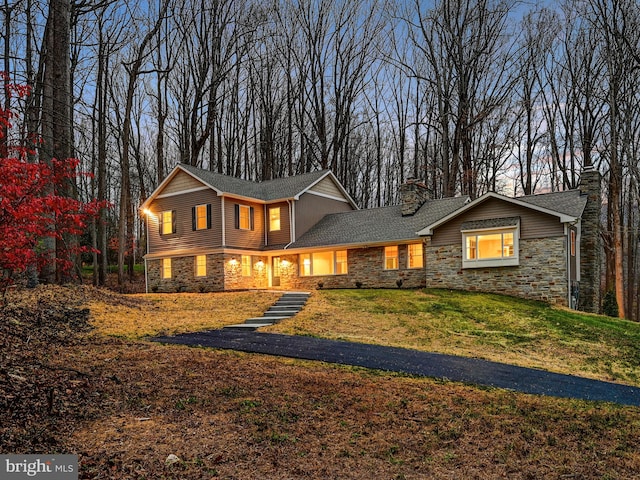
column 247, row 326
column 280, row 313
column 290, row 303
column 265, row 319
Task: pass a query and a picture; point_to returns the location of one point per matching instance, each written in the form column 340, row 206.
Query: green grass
column 494, row 327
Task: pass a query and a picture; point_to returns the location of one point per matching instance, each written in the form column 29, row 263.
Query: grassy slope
column 124, row 405
column 486, row 326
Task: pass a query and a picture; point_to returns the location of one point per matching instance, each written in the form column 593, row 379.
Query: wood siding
column 311, row 208
column 236, row 237
column 282, row 236
column 180, row 183
column 533, row 224
column 184, row 238
column 327, row 187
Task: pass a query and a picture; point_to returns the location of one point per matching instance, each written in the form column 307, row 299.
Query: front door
column 275, row 271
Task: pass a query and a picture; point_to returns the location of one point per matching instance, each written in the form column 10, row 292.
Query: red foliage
column 31, row 209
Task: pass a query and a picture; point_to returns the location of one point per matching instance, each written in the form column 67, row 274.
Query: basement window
column 491, row 243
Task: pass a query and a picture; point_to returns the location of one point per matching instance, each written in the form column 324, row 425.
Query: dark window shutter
column 174, row 228
column 193, row 218
column 161, row 217
column 237, row 215
column 208, row 215
column 251, row 217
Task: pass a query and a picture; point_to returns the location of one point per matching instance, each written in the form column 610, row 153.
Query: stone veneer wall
column 224, row 272
column 541, row 275
column 183, row 277
column 365, row 266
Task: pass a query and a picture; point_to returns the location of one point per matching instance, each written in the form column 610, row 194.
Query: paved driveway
column 457, row 369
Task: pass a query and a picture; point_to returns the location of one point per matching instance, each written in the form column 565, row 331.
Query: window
column 244, row 217
column 201, row 266
column 246, row 265
column 167, row 222
column 415, row 255
column 490, row 248
column 201, row 217
column 341, row 262
column 166, row 268
column 323, row 263
column 391, row 258
column 573, row 243
column 274, row 219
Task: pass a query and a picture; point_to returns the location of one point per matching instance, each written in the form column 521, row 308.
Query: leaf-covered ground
column 124, row 406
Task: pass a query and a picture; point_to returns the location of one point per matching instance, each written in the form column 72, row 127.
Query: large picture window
column 323, row 263
column 490, row 248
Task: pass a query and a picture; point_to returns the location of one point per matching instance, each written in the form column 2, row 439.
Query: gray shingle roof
column 570, row 202
column 375, row 225
column 268, row 190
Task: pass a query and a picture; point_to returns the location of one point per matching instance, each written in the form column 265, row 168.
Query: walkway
column 413, row 362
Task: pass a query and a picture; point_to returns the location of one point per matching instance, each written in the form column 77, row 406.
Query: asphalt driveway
column 413, row 362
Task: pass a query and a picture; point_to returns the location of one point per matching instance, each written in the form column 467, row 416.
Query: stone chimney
column 590, row 244
column 413, row 194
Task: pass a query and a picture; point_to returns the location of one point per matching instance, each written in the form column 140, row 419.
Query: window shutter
column 174, row 228
column 193, row 218
column 251, row 217
column 236, row 209
column 161, row 217
column 208, row 215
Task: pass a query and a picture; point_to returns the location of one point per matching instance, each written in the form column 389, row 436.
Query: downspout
column 224, row 233
column 567, row 252
column 292, row 223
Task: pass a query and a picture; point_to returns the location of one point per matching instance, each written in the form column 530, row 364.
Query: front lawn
column 493, row 327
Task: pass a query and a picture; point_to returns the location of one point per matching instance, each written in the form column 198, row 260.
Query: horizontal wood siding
column 236, row 237
column 181, row 182
column 282, row 236
column 311, row 208
column 185, row 238
column 533, row 224
column 327, row 187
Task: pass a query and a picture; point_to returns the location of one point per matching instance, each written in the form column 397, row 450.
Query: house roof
column 567, row 206
column 267, row 191
column 375, row 225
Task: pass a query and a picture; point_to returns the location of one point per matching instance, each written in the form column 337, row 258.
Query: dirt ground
column 125, row 406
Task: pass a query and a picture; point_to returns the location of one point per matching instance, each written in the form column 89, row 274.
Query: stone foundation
column 532, row 279
column 365, row 270
column 224, row 272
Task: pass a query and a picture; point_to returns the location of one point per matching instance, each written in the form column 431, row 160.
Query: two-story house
column 211, row 232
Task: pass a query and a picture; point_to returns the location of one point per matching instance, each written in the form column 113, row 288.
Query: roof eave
column 563, row 218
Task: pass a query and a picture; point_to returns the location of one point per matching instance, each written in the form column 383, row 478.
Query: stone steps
column 288, row 305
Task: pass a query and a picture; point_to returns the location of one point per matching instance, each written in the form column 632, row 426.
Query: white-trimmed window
column 274, row 219
column 245, row 217
column 166, row 268
column 245, row 264
column 391, row 258
column 491, row 247
column 323, row 263
column 414, row 251
column 167, row 222
column 201, row 217
column 201, row 265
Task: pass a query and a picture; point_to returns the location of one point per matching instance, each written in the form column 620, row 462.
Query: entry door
column 275, row 271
